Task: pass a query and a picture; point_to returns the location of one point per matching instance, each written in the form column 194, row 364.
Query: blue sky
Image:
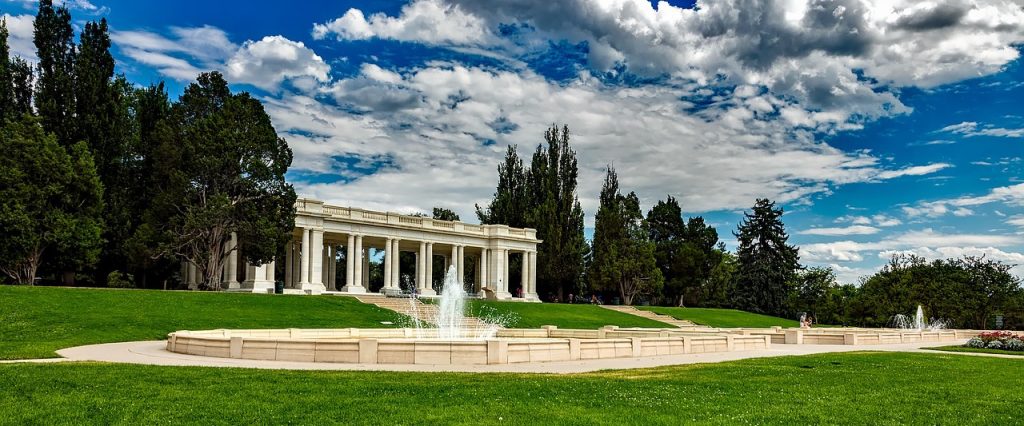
column 881, row 127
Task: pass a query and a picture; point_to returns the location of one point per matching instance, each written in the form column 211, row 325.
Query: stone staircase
column 425, row 312
column 653, row 316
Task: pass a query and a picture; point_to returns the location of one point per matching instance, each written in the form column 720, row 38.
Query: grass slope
column 849, row 388
column 36, row 321
column 532, row 315
column 725, row 318
column 976, row 350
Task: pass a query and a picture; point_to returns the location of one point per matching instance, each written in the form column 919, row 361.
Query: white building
column 328, row 231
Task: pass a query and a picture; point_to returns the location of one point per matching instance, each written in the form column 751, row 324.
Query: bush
column 1014, row 344
column 995, row 344
column 118, row 279
column 975, row 342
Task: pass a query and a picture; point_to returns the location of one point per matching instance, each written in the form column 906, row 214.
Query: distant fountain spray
column 918, row 322
column 450, row 318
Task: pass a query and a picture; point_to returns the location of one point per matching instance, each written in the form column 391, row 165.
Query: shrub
column 975, row 342
column 995, row 344
column 1014, row 344
column 118, row 279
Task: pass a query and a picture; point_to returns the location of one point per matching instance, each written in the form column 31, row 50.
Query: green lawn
column 532, row 315
column 976, row 350
column 857, row 388
column 36, row 321
column 725, row 318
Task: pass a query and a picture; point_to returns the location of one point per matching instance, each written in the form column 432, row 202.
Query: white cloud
column 851, row 251
column 913, row 171
column 270, row 61
column 183, row 55
column 971, row 129
column 950, row 252
column 1016, row 220
column 19, row 38
column 1012, row 195
column 427, row 21
column 848, row 230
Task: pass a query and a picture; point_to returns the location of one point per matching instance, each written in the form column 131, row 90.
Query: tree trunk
column 68, row 277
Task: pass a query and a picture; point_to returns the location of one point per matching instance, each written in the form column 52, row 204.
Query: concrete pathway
column 155, row 353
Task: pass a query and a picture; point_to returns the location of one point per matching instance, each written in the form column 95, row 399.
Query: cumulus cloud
column 852, row 251
column 426, row 21
column 19, row 38
column 268, row 62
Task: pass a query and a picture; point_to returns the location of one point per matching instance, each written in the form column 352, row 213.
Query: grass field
column 725, row 318
column 956, row 348
column 532, row 315
column 849, row 388
column 36, row 321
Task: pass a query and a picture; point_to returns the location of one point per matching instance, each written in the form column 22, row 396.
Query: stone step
column 651, row 315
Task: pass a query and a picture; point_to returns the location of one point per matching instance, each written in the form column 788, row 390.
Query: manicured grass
column 976, row 350
column 532, row 315
column 849, row 388
column 725, row 318
column 36, row 321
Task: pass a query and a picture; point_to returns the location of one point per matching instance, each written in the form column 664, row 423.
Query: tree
column 989, row 287
column 441, row 213
column 55, row 94
column 623, row 255
column 721, row 283
column 7, row 109
column 222, row 167
column 509, row 204
column 554, row 211
column 21, row 76
column 767, row 263
column 811, row 290
column 686, row 252
column 50, row 199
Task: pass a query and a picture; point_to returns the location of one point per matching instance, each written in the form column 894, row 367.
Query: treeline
column 661, row 258
column 106, row 183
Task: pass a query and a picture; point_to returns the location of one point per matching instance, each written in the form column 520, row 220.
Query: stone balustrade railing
column 316, row 207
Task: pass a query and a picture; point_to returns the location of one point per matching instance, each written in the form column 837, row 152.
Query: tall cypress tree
column 6, row 78
column 55, row 94
column 554, row 210
column 767, row 264
column 21, row 77
column 509, row 205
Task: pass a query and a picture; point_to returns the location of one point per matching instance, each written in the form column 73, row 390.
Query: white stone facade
column 328, row 231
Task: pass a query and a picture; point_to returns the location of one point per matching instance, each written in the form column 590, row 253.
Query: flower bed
column 1005, row 340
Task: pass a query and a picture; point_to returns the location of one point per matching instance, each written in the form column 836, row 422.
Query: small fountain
column 450, row 319
column 918, row 322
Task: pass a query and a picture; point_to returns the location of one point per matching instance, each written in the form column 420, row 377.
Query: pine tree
column 623, row 255
column 22, row 91
column 55, row 94
column 767, row 264
column 555, row 211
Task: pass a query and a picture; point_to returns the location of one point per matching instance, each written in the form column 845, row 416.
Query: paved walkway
column 155, row 353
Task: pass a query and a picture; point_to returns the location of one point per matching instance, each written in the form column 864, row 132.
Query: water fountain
column 449, row 321
column 918, row 322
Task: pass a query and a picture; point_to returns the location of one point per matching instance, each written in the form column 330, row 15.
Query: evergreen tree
column 554, row 210
column 55, row 94
column 221, row 170
column 21, row 77
column 441, row 213
column 50, row 199
column 767, row 264
column 623, row 255
column 666, row 229
column 7, row 109
column 509, row 204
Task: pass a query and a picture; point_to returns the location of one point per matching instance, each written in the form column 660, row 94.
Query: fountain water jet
column 918, row 322
column 450, row 319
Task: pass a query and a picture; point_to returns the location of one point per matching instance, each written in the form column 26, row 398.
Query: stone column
column 357, row 259
column 333, row 275
column 316, row 250
column 325, row 272
column 482, row 276
column 296, row 264
column 259, row 278
column 350, row 251
column 428, row 283
column 396, row 269
column 304, row 262
column 389, row 256
column 365, row 253
column 532, row 292
column 460, row 266
column 524, row 274
column 289, row 265
column 504, row 275
column 190, row 276
column 421, row 267
column 232, row 263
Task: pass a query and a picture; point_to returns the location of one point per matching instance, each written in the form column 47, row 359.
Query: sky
column 880, row 126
